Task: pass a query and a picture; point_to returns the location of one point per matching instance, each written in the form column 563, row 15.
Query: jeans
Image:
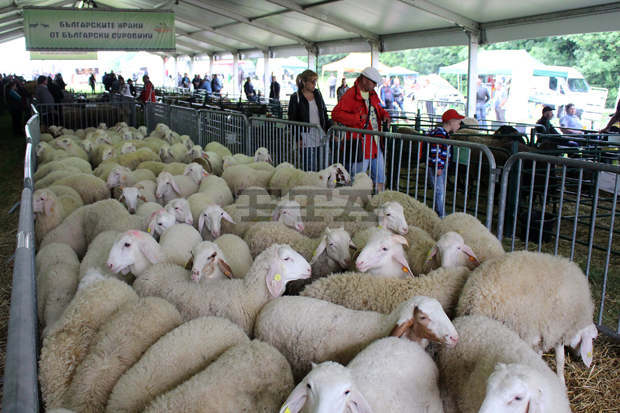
column 377, row 168
column 481, row 113
column 440, row 189
column 500, row 114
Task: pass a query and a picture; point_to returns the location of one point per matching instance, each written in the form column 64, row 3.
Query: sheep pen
column 588, row 390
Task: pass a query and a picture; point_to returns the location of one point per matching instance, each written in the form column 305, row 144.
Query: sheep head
column 211, row 219
column 208, row 261
column 166, row 186
column 181, row 210
column 159, row 222
column 119, row 176
column 284, row 266
column 196, row 172
column 514, row 388
column 130, row 197
column 134, row 251
column 453, row 252
column 384, row 256
column 583, row 343
column 328, row 388
column 422, row 319
column 391, row 216
column 44, row 202
column 262, row 155
column 337, row 244
column 288, row 213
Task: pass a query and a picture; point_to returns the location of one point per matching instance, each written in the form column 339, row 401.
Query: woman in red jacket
column 148, row 93
column 360, row 108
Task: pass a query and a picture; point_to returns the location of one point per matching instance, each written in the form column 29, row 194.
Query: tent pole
column 266, row 73
column 235, row 76
column 472, row 73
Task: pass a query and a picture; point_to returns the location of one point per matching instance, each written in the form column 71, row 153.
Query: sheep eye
column 222, row 214
column 309, row 386
column 384, row 249
column 287, row 259
column 331, row 244
column 518, row 398
column 159, row 223
column 346, row 393
column 127, row 245
column 388, row 214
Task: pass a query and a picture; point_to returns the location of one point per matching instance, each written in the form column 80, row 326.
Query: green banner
column 91, row 29
column 63, row 56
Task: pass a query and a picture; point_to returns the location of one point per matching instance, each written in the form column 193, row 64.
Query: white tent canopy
column 496, row 62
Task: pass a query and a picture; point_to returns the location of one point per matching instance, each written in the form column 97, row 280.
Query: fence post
column 249, row 129
column 418, row 120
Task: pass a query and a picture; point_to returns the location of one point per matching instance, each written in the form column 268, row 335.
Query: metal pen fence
column 229, row 128
column 20, row 386
column 568, row 207
column 185, row 121
column 303, row 145
column 88, row 114
column 155, row 113
column 410, row 164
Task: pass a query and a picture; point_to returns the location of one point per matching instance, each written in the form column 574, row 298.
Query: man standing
column 331, row 82
column 342, row 89
column 216, row 85
column 570, row 123
column 387, row 97
column 439, row 156
column 248, row 88
column 360, row 108
column 274, row 90
column 482, row 97
column 185, row 81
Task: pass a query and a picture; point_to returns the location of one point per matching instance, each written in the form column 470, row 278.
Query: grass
column 11, row 170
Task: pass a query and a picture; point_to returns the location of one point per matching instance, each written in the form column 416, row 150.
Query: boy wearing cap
column 360, row 108
column 438, row 156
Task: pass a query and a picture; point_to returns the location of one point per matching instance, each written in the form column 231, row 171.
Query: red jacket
column 148, row 93
column 351, row 111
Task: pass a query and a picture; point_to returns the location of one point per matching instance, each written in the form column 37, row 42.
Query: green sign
column 63, row 56
column 91, row 29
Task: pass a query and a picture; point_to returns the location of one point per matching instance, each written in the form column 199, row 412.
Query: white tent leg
column 235, row 76
column 266, row 74
column 472, row 73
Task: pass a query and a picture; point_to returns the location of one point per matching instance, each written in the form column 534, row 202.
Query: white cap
column 372, row 74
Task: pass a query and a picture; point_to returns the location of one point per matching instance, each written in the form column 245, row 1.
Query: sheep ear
column 142, row 198
column 470, row 255
column 431, row 254
column 227, row 217
column 150, row 249
column 49, row 206
column 296, row 399
column 201, row 222
column 319, row 250
column 534, row 405
column 120, row 198
column 400, row 239
column 400, row 258
column 357, row 403
column 276, row 214
column 175, row 186
column 190, row 263
column 275, row 281
column 585, row 338
column 152, row 223
column 400, row 329
column 225, row 268
column 352, row 244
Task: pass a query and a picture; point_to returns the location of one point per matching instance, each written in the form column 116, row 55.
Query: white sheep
column 122, row 176
column 181, row 210
column 173, row 359
column 416, row 213
column 216, row 188
column 477, row 236
column 210, row 221
column 173, row 153
column 297, row 327
column 545, row 299
column 491, row 370
column 390, row 375
column 326, row 254
column 135, row 251
column 196, row 172
column 177, row 242
column 159, row 221
column 256, row 207
column 170, row 187
column 384, row 256
column 90, row 188
column 73, row 162
column 147, row 209
column 218, row 148
column 50, row 210
column 237, row 253
column 359, row 291
column 451, row 251
column 119, row 343
column 239, row 300
column 68, row 339
column 241, row 177
column 208, row 261
column 97, row 254
column 284, row 179
column 56, row 285
column 252, row 377
column 130, row 196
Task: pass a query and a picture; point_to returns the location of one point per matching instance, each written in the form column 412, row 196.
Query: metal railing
column 155, row 113
column 20, row 390
column 185, row 121
column 90, row 114
column 409, row 164
column 568, row 207
column 229, row 128
column 303, row 145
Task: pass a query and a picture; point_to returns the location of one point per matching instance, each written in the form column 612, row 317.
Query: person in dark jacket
column 216, row 85
column 55, row 90
column 307, row 105
column 274, row 90
column 248, row 88
column 543, row 125
column 14, row 102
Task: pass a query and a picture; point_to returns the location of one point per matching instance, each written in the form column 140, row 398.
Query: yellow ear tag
column 405, row 269
column 472, row 259
column 380, row 226
column 148, row 230
column 429, row 255
column 277, row 277
column 589, row 354
column 287, row 410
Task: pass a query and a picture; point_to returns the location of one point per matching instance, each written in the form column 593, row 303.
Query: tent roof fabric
column 293, row 27
column 356, row 62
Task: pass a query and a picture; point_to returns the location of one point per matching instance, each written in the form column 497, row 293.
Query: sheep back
column 237, row 254
column 416, row 213
column 90, row 188
column 173, row 359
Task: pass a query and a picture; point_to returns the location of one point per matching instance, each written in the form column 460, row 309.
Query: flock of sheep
column 173, row 277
